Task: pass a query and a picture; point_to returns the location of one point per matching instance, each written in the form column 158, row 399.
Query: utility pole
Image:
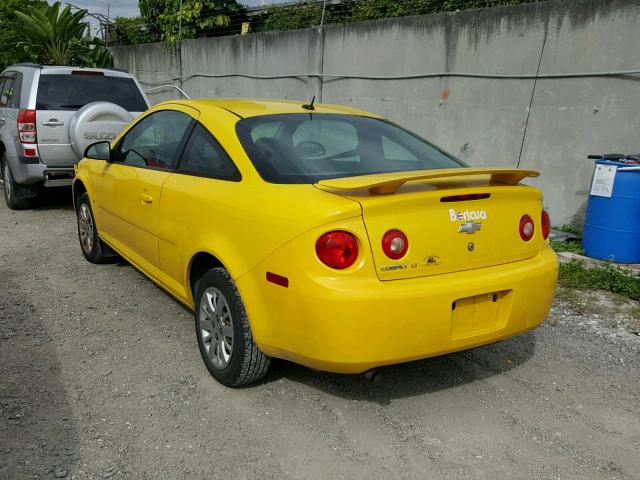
column 324, row 7
column 179, row 45
column 179, row 21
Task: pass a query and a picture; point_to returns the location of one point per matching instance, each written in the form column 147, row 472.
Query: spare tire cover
column 95, row 122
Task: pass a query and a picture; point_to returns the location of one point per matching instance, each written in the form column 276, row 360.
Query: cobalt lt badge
column 471, row 246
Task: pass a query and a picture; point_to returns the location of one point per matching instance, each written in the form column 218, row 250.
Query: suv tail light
column 526, row 228
column 27, row 126
column 546, row 224
column 337, row 249
column 395, row 244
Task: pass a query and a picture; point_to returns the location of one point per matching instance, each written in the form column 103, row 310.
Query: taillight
column 337, row 249
column 395, row 244
column 546, row 224
column 526, row 228
column 27, row 126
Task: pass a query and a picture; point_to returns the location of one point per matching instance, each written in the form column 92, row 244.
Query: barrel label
column 603, row 178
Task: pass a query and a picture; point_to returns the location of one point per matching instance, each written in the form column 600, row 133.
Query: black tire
column 247, row 363
column 90, row 244
column 14, row 202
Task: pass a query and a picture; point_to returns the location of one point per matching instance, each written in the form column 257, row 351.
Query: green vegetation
column 307, row 13
column 304, row 14
column 568, row 246
column 607, row 277
column 130, row 31
column 59, row 37
column 164, row 20
column 569, row 229
column 10, row 33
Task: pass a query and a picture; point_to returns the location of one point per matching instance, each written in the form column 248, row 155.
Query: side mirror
column 98, row 151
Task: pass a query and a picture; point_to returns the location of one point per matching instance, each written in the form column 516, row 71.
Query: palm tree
column 56, row 37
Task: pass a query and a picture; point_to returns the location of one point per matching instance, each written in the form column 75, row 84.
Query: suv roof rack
column 35, row 65
column 41, row 65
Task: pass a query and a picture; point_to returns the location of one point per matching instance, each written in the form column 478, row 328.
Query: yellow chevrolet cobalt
column 319, row 234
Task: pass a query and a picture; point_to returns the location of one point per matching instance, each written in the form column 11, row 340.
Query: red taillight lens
column 337, row 249
column 27, row 126
column 546, row 224
column 526, row 228
column 395, row 244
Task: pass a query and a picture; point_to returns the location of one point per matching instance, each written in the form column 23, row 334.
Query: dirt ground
column 100, row 377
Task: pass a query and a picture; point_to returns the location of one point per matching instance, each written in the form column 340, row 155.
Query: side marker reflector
column 277, row 279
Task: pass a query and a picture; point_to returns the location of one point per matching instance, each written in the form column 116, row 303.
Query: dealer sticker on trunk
column 467, row 215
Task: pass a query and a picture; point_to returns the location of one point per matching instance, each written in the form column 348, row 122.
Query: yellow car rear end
column 441, row 296
column 319, row 234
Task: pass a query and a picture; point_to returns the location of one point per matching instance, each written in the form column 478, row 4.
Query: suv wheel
column 13, row 202
column 90, row 243
column 224, row 336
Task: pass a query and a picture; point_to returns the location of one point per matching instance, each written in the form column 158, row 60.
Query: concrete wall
column 485, row 121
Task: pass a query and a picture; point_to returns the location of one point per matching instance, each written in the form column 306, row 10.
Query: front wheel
column 224, row 336
column 90, row 243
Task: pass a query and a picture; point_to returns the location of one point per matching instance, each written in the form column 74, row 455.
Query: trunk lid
column 456, row 219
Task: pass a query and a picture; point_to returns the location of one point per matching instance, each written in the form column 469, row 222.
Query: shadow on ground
column 59, row 198
column 415, row 378
column 38, row 436
column 407, row 379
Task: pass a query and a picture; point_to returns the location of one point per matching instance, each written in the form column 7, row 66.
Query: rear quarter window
column 71, row 92
column 6, row 90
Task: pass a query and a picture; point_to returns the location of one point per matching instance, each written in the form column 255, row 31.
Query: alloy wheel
column 85, row 228
column 7, row 180
column 216, row 327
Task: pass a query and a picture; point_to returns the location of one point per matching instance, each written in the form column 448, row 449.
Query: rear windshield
column 71, row 92
column 308, row 147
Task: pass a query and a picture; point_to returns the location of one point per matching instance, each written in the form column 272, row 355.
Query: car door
column 128, row 189
column 200, row 193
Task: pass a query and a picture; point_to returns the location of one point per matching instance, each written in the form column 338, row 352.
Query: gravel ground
column 100, row 377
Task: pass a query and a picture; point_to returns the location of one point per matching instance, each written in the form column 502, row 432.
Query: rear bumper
column 349, row 327
column 29, row 174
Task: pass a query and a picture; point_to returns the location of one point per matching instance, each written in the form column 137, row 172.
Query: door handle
column 2, row 119
column 53, row 123
column 146, row 198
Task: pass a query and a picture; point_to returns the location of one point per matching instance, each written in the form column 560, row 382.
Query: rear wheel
column 14, row 202
column 90, row 243
column 223, row 332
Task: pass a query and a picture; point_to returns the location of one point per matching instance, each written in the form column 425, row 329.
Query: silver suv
column 50, row 114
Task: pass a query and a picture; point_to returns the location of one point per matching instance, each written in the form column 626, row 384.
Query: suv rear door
column 62, row 92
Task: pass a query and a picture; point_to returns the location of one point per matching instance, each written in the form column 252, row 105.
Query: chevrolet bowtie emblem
column 469, row 227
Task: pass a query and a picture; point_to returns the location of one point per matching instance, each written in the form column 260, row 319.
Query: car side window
column 333, row 138
column 3, row 80
column 154, row 141
column 394, row 151
column 14, row 98
column 6, row 91
column 203, row 156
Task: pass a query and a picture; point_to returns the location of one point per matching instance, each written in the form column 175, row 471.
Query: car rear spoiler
column 386, row 183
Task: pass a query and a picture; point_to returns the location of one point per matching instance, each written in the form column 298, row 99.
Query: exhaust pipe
column 372, row 375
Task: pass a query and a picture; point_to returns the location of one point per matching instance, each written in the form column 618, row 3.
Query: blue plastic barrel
column 612, row 225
